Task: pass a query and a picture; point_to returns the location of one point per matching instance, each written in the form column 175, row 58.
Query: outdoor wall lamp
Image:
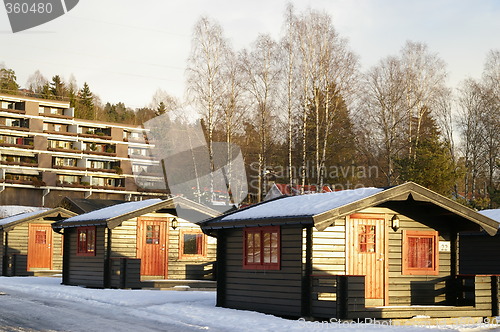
column 174, row 223
column 395, row 222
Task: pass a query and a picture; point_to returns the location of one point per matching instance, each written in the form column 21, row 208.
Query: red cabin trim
column 86, row 240
column 262, row 248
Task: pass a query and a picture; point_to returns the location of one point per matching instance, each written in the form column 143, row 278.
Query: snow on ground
column 193, row 309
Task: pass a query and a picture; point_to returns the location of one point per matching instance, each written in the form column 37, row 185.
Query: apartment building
column 47, row 154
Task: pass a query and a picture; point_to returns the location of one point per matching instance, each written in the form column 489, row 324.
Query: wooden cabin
column 379, row 253
column 121, row 245
column 28, row 245
column 479, row 252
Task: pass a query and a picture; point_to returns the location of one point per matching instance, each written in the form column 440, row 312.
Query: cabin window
column 262, row 248
column 86, row 241
column 366, row 234
column 420, row 254
column 192, row 244
column 41, row 237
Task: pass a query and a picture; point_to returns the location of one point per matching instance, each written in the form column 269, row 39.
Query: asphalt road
column 29, row 312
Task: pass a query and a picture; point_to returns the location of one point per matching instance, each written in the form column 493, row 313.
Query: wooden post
column 452, row 297
column 221, row 268
column 107, row 260
column 306, row 275
column 66, row 255
column 495, row 296
column 5, row 261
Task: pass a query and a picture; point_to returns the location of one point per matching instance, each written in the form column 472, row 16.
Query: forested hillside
column 305, row 113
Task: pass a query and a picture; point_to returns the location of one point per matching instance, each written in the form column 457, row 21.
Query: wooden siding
column 271, row 291
column 86, row 270
column 480, row 292
column 18, row 246
column 417, row 289
column 329, row 257
column 124, row 244
column 329, row 249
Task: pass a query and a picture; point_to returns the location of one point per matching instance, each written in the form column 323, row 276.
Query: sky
column 126, row 50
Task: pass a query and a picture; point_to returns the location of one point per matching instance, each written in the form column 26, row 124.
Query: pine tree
column 85, row 108
column 8, row 81
column 431, row 165
column 57, row 87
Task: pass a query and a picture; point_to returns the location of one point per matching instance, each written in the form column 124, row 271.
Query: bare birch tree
column 261, row 66
column 205, row 74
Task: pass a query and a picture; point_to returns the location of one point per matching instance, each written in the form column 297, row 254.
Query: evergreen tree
column 85, row 108
column 8, row 81
column 57, row 87
column 161, row 109
column 432, row 165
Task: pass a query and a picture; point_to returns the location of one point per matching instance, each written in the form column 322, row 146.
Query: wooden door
column 152, row 249
column 39, row 246
column 367, row 244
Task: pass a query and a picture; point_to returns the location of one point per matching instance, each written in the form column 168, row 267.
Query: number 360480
column 25, row 8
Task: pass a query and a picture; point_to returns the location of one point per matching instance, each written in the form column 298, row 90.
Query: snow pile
column 193, row 310
column 492, row 214
column 302, row 205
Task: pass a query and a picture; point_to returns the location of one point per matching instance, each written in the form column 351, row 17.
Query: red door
column 39, row 247
column 152, row 248
column 367, row 251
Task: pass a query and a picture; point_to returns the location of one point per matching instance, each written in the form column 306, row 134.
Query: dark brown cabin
column 122, row 245
column 29, row 246
column 480, row 253
column 365, row 253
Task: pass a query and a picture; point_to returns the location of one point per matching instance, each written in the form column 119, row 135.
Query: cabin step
column 46, row 273
column 180, row 285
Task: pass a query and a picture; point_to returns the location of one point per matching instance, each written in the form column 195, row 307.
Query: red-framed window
column 192, row 244
column 262, row 248
column 86, row 241
column 420, row 253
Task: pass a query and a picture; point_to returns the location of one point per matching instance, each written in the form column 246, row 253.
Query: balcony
column 17, row 142
column 19, row 163
column 71, row 150
column 10, row 110
column 65, row 133
column 95, row 135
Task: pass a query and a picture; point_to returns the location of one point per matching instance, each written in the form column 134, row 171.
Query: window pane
column 249, row 248
column 90, row 240
column 274, row 247
column 190, row 244
column 40, row 237
column 256, row 243
column 420, row 252
column 366, row 238
column 152, row 234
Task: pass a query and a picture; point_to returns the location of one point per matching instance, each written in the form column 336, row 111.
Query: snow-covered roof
column 113, row 211
column 322, row 209
column 21, row 216
column 492, row 214
column 114, row 215
column 302, row 206
column 10, row 210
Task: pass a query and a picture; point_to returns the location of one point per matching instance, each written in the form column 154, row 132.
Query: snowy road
column 31, row 312
column 32, row 304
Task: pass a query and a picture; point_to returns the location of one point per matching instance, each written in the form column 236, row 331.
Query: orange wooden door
column 152, row 249
column 367, row 255
column 39, row 246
